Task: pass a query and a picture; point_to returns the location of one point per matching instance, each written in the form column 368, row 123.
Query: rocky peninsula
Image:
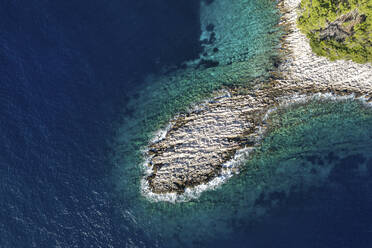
column 197, row 145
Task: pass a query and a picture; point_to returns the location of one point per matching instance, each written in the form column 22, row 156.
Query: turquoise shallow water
column 304, row 144
column 66, row 70
column 300, row 153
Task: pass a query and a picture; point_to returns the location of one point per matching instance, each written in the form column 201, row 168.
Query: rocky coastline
column 198, row 143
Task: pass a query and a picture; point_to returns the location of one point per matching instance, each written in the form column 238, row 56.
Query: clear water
column 310, row 148
column 75, row 112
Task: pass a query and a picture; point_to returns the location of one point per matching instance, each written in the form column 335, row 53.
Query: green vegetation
column 338, row 29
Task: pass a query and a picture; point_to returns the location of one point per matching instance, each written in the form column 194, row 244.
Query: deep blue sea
column 67, row 69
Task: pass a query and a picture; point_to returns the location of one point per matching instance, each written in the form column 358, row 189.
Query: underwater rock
column 207, row 63
column 210, row 27
column 230, row 26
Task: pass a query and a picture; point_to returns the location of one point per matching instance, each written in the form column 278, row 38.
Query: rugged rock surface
column 199, row 142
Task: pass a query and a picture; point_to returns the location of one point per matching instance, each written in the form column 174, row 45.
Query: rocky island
column 198, row 144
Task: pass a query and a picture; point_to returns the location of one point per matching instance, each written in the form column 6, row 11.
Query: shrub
column 315, row 15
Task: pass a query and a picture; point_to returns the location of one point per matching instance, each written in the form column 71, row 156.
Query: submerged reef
column 338, row 29
column 227, row 38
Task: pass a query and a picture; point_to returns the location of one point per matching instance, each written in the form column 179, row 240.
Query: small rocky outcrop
column 200, row 142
